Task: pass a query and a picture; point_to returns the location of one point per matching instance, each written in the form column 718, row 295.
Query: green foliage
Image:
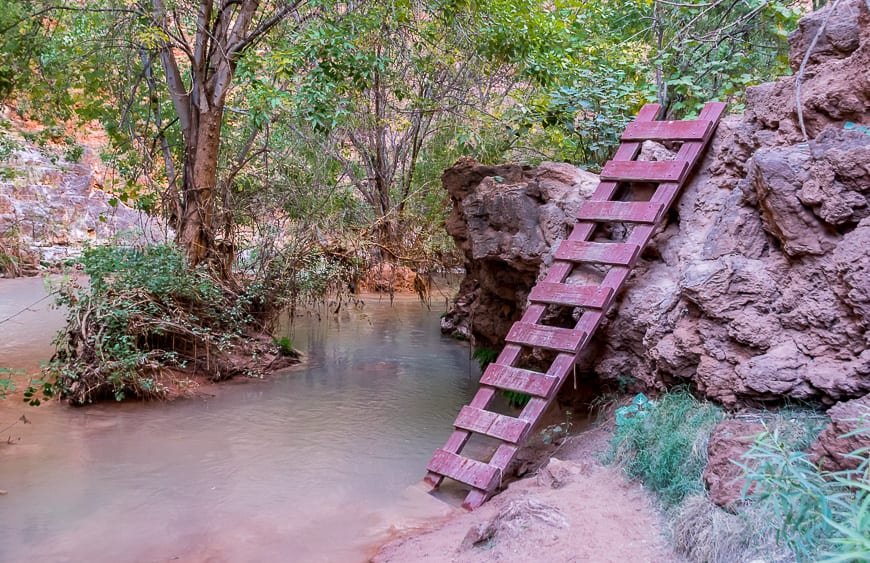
column 554, row 433
column 8, row 145
column 517, row 399
column 592, row 65
column 285, row 345
column 7, row 384
column 343, row 117
column 717, row 50
column 143, row 314
column 485, row 356
column 666, row 448
column 820, row 515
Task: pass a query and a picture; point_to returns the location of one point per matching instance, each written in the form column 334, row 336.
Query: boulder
column 722, row 476
column 848, row 432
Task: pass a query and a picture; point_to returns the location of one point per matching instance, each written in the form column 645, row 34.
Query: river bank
column 572, row 508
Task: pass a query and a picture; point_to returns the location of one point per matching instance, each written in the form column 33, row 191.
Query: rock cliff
column 51, row 205
column 758, row 288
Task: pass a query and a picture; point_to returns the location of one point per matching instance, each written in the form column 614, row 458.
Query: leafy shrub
column 666, row 448
column 293, row 273
column 819, row 515
column 143, row 317
column 285, row 345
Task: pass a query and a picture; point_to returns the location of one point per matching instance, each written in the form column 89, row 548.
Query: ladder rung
column 621, row 211
column 570, row 295
column 469, row 471
column 667, row 130
column 517, row 379
column 614, row 253
column 505, row 428
column 643, row 171
column 549, row 337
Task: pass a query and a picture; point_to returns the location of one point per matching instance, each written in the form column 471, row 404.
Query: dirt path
column 572, row 510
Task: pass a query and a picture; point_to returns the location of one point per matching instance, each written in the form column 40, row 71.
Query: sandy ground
column 572, row 510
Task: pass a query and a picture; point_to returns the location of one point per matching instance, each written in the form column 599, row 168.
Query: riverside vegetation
column 791, row 509
column 311, row 135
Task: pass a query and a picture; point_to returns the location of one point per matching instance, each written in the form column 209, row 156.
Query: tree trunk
column 224, row 31
column 196, row 227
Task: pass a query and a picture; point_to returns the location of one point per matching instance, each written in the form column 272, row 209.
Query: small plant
column 820, row 515
column 664, row 443
column 485, row 356
column 7, row 147
column 7, row 384
column 285, row 345
column 555, row 433
column 74, row 153
column 639, row 408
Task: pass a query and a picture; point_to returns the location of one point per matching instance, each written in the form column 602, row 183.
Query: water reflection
column 308, row 467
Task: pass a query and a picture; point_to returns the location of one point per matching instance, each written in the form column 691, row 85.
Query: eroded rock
column 730, row 440
column 757, row 289
column 51, row 208
column 833, row 447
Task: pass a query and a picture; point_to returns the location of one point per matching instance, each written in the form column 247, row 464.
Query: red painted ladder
column 485, row 477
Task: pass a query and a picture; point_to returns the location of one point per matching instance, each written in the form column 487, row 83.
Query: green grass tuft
column 667, row 448
column 819, row 515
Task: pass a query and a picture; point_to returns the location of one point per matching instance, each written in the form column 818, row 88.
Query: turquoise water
column 313, row 465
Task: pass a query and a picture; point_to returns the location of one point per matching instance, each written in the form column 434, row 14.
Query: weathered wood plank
column 469, row 471
column 516, row 379
column 485, row 422
column 667, row 130
column 621, row 211
column 642, row 171
column 613, row 253
column 474, row 499
column 570, row 295
column 549, row 337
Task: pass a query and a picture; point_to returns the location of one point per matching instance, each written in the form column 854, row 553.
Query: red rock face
column 758, row 289
column 50, row 209
column 729, row 441
column 832, row 447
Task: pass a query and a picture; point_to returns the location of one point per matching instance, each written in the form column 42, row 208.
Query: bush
column 144, row 317
column 665, row 444
column 819, row 515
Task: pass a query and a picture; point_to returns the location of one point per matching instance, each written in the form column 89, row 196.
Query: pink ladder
column 484, row 477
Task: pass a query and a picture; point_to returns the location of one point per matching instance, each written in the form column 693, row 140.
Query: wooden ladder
column 618, row 258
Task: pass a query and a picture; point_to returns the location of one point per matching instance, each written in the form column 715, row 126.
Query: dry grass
column 705, row 533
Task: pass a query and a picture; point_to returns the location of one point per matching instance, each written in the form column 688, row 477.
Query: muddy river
column 314, row 465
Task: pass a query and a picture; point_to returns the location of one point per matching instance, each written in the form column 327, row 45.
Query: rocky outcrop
column 51, row 207
column 505, row 219
column 837, row 447
column 758, row 288
column 730, row 440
